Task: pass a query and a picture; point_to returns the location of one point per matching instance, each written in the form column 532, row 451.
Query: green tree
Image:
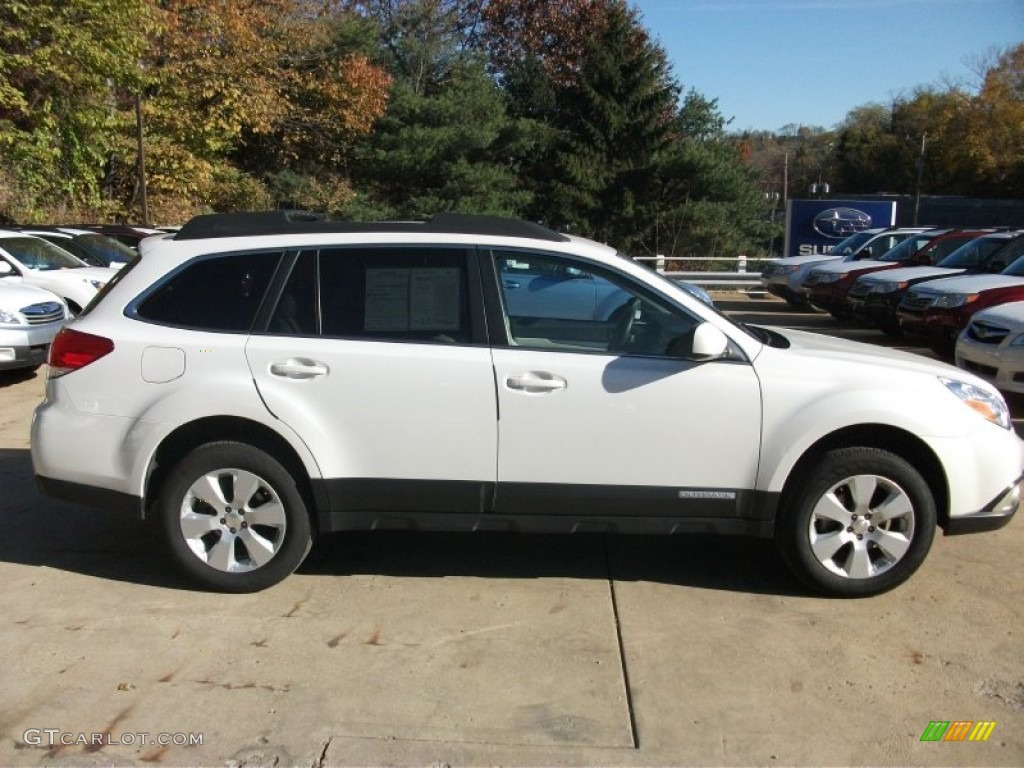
column 439, row 151
column 609, row 126
column 711, row 202
column 65, row 69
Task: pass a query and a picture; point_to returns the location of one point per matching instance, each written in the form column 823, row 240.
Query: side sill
column 350, row 520
column 90, row 496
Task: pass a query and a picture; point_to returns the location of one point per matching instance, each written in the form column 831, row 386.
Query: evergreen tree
column 439, row 151
column 612, row 124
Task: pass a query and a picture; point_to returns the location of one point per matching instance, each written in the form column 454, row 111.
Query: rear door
column 376, row 357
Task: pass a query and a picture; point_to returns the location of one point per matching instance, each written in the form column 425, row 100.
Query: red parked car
column 940, row 309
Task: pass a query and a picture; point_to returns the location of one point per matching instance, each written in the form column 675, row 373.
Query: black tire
column 210, row 492
column 890, row 328
column 943, row 345
column 856, row 558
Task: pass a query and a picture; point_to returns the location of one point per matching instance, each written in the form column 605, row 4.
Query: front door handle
column 299, row 368
column 535, row 382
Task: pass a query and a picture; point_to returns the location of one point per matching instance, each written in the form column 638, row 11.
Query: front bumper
column 827, row 297
column 879, row 309
column 26, row 347
column 1000, row 364
column 993, row 516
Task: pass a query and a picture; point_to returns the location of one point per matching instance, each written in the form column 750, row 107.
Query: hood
column 911, row 273
column 830, row 350
column 796, row 261
column 971, row 284
column 853, row 266
column 99, row 274
column 1009, row 316
column 15, row 295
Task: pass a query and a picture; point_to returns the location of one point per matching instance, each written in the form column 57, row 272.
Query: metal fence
column 725, row 271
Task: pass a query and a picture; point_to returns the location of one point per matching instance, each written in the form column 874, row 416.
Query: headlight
column 830, row 277
column 1018, row 342
column 989, row 404
column 951, row 300
column 889, row 287
column 10, row 318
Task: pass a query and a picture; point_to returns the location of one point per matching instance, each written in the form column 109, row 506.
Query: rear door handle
column 510, row 284
column 298, row 368
column 535, row 382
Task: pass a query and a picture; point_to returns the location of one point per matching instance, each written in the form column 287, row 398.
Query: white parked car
column 992, row 346
column 29, row 319
column 34, row 261
column 255, row 379
column 95, row 249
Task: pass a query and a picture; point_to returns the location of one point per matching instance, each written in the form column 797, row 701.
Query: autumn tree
column 242, row 90
column 997, row 125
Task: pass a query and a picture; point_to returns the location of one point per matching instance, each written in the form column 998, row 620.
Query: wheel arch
column 900, row 442
column 213, row 429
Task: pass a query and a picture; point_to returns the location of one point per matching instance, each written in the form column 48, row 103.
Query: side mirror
column 709, row 343
column 6, row 269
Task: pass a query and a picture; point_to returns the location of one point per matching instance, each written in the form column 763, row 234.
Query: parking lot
column 432, row 649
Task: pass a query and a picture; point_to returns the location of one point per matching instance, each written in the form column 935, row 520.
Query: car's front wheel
column 860, row 523
column 234, row 518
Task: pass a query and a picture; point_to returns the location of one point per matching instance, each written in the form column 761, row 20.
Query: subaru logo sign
column 841, row 222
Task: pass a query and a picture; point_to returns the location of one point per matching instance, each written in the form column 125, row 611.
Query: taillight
column 73, row 349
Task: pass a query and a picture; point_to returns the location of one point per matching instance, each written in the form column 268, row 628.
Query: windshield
column 1016, row 269
column 36, row 253
column 106, row 249
column 973, row 253
column 851, row 244
column 905, row 250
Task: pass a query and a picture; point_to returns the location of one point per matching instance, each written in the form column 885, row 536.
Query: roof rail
column 259, row 223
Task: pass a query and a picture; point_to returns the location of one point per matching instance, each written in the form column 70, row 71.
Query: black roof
column 298, row 222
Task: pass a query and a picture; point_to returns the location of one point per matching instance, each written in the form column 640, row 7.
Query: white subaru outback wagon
column 257, row 379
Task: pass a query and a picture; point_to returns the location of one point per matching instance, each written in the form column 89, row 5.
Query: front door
column 610, row 417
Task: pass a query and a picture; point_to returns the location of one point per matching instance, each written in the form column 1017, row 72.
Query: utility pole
column 920, row 173
column 140, row 169
column 785, row 182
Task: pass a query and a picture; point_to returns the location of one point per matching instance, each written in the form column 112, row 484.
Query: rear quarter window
column 221, row 293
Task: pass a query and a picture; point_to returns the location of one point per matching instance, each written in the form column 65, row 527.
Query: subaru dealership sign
column 815, row 226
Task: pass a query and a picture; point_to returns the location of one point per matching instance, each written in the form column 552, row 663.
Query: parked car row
column 934, row 284
column 50, row 274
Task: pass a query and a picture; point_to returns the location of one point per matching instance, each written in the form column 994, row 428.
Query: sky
column 771, row 63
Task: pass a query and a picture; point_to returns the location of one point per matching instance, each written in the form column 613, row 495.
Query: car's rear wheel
column 234, row 518
column 860, row 523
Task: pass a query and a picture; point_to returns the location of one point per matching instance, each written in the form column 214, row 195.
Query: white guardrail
column 747, row 274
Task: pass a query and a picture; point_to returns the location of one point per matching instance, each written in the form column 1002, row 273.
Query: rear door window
column 385, row 293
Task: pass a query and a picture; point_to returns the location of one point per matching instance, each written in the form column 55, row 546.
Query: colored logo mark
column 958, row 730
